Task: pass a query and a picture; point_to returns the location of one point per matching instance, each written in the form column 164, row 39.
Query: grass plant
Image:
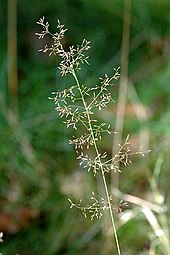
column 77, row 104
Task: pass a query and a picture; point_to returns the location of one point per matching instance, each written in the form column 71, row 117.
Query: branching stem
column 98, row 155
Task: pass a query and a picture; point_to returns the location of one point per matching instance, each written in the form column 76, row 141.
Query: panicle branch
column 97, row 207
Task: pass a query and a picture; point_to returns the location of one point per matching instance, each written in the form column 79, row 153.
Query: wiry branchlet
column 121, row 206
column 97, row 207
column 124, row 153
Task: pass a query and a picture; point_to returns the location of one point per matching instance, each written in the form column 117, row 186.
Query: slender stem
column 101, row 167
column 101, row 91
column 12, row 56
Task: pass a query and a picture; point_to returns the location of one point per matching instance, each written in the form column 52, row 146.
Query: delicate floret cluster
column 70, row 59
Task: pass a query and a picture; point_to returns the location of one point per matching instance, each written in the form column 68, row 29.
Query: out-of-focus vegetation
column 38, row 168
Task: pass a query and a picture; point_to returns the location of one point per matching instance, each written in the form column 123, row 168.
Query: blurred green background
column 38, row 168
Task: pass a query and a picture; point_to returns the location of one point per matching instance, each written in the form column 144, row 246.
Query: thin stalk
column 120, row 115
column 12, row 56
column 101, row 167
